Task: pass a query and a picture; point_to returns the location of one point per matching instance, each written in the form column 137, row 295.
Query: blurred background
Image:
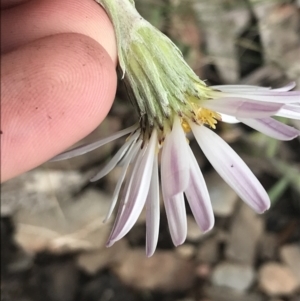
column 52, row 235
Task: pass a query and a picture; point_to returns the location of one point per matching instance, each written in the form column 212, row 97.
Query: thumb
column 55, row 91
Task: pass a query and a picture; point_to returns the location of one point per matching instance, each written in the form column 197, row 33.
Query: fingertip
column 55, row 91
column 39, row 18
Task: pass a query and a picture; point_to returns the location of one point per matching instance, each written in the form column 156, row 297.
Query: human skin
column 58, row 78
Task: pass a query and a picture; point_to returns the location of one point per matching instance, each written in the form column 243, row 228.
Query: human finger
column 4, row 4
column 39, row 18
column 55, row 91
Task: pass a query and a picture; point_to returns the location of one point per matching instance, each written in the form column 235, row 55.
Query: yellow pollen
column 203, row 116
column 208, row 117
column 186, row 127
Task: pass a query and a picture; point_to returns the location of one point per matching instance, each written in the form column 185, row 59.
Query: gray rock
column 76, row 224
column 208, row 251
column 290, row 255
column 219, row 293
column 223, row 197
column 186, row 251
column 268, row 246
column 276, row 279
column 92, row 262
column 279, row 31
column 245, row 232
column 278, row 26
column 112, row 179
column 164, row 271
column 194, row 233
column 39, row 190
column 236, row 276
column 233, row 18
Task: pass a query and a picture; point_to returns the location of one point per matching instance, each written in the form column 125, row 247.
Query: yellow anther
column 202, row 116
column 208, row 117
column 185, row 125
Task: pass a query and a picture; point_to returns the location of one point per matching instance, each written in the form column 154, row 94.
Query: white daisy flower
column 180, row 174
column 171, row 100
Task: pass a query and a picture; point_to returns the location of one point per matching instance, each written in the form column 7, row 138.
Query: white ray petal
column 239, row 88
column 137, row 192
column 198, row 197
column 152, row 211
column 126, row 188
column 290, row 111
column 83, row 149
column 286, row 88
column 122, row 161
column 272, row 128
column 241, row 107
column 115, row 159
column 174, row 163
column 127, row 159
column 126, row 191
column 251, row 88
column 232, row 168
column 228, row 119
column 176, row 215
column 262, row 96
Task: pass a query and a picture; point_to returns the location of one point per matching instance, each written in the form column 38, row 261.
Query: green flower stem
column 159, row 81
